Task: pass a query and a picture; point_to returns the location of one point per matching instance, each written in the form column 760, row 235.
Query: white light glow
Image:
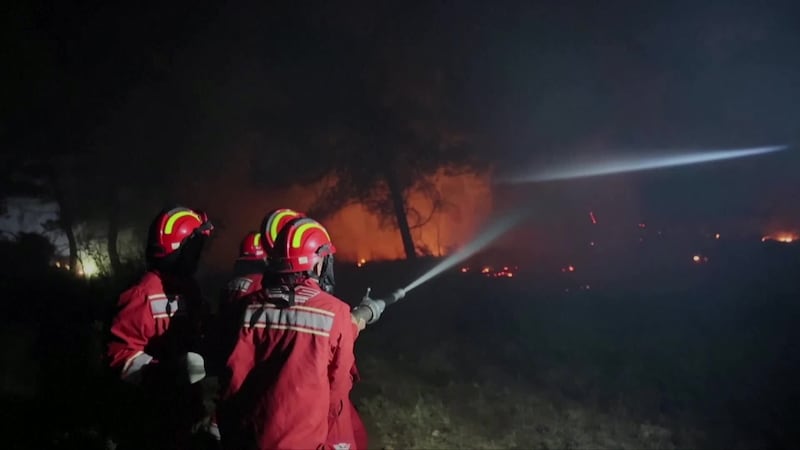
column 630, row 164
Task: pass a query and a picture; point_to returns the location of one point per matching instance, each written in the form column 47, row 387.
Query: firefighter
column 251, row 263
column 291, row 368
column 156, row 333
column 252, row 258
column 248, row 272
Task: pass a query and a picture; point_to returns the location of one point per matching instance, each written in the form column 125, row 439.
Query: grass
column 404, row 410
column 474, row 363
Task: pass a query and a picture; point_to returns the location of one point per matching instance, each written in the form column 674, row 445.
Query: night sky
column 186, row 96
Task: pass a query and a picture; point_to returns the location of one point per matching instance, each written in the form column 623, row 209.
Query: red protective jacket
column 290, row 373
column 359, row 430
column 159, row 320
column 229, row 318
column 243, row 285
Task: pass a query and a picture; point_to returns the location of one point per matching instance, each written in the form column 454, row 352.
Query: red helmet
column 172, row 227
column 273, row 223
column 300, row 245
column 251, row 248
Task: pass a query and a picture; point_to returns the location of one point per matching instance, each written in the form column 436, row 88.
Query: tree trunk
column 65, row 219
column 66, row 224
column 113, row 233
column 399, row 203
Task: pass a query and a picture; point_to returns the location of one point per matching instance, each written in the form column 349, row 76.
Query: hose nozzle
column 370, row 309
column 395, row 296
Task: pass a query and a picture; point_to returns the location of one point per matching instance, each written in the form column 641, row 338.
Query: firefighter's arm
column 343, row 338
column 131, row 329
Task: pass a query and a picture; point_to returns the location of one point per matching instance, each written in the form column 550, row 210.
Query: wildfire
column 357, row 233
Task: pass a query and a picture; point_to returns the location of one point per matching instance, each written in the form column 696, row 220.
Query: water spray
column 623, row 165
column 492, row 232
column 371, row 309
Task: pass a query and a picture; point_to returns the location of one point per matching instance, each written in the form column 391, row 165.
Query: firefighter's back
column 279, row 387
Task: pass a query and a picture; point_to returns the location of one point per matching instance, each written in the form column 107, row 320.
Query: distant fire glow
column 623, row 165
column 784, row 237
column 356, row 231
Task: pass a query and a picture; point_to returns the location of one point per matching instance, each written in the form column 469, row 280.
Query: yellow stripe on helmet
column 297, row 240
column 273, row 226
column 257, row 240
column 174, row 218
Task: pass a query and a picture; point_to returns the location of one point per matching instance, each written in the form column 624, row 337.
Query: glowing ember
column 716, row 236
column 490, row 272
column 361, row 262
column 696, row 258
